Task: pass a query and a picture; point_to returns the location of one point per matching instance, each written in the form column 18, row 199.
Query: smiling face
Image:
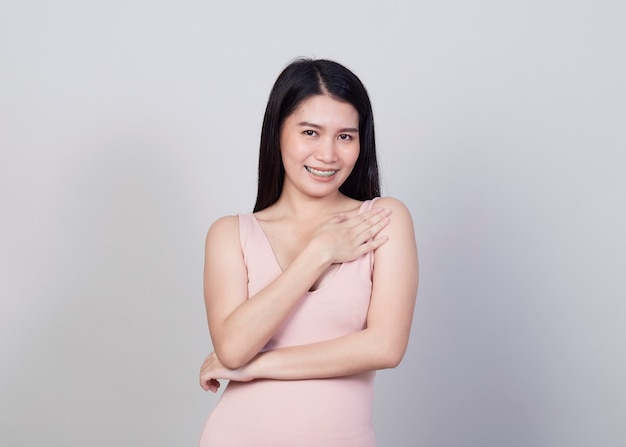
column 319, row 145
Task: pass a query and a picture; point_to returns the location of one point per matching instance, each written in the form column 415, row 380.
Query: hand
column 345, row 239
column 212, row 370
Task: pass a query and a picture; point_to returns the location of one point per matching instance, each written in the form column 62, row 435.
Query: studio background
column 128, row 127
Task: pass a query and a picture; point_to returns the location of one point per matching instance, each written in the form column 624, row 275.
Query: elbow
column 391, row 355
column 391, row 360
column 231, row 364
column 230, row 358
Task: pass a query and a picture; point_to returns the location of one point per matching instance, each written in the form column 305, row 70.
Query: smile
column 320, row 173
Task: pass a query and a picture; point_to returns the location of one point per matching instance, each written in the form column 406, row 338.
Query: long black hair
column 300, row 80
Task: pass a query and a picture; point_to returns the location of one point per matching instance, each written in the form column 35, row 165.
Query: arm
column 381, row 345
column 239, row 326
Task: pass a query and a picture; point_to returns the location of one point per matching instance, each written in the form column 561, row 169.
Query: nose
column 326, row 151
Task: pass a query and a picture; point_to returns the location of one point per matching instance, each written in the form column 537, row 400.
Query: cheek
column 354, row 154
column 286, row 147
column 290, row 142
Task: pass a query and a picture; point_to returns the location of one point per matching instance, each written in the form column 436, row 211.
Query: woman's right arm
column 240, row 327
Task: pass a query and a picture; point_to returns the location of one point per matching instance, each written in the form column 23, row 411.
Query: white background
column 127, row 127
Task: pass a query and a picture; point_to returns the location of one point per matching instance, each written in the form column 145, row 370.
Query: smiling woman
column 313, row 292
column 319, row 144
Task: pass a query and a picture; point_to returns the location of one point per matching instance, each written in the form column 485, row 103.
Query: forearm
column 359, row 352
column 249, row 327
column 240, row 325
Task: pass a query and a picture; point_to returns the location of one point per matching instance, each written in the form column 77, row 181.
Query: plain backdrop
column 127, row 127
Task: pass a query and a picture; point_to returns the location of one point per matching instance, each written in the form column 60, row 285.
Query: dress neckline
column 280, row 268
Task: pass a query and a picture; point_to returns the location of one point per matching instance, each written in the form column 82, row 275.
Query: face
column 319, row 145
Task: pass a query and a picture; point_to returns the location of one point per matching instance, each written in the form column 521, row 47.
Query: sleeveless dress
column 335, row 412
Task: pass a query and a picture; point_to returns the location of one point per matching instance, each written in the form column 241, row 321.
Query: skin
column 312, row 229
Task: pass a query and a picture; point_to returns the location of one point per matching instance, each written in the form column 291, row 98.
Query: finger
column 372, row 244
column 205, row 378
column 370, row 228
column 337, row 219
column 369, row 218
column 209, row 384
column 214, row 385
column 380, row 224
column 204, row 381
column 204, row 384
column 381, row 214
column 374, row 212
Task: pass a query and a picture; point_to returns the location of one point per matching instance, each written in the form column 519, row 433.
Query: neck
column 302, row 207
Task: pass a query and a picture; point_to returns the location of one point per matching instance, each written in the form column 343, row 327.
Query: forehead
column 325, row 110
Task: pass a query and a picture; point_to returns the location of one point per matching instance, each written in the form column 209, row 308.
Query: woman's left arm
column 380, row 345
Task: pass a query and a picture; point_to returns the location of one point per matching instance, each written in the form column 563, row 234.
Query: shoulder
column 224, row 228
column 398, row 209
column 398, row 256
column 400, row 229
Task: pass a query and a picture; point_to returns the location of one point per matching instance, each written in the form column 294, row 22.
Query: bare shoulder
column 399, row 211
column 224, row 229
column 223, row 253
column 400, row 230
column 397, row 258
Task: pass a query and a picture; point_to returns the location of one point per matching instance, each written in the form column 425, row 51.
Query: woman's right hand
column 342, row 239
column 212, row 370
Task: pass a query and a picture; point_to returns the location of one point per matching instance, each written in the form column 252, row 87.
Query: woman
column 315, row 291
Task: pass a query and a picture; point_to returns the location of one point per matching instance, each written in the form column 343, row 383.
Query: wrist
column 254, row 369
column 316, row 256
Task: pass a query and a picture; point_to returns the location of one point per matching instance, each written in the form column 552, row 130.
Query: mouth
column 320, row 173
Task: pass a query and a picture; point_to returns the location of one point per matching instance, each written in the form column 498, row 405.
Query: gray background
column 127, row 127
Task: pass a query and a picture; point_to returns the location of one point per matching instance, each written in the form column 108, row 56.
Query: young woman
column 313, row 292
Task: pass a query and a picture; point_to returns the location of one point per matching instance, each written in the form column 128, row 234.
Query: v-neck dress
column 335, row 412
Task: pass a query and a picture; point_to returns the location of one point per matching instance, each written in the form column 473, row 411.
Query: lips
column 320, row 172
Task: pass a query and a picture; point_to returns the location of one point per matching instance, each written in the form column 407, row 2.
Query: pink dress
column 333, row 412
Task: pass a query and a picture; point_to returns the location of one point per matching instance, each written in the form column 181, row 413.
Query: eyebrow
column 317, row 126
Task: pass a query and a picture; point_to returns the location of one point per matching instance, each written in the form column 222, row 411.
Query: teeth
column 320, row 173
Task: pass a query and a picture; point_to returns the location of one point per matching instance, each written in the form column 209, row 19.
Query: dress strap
column 367, row 205
column 247, row 237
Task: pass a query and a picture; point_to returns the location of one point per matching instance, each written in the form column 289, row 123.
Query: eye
column 309, row 133
column 345, row 137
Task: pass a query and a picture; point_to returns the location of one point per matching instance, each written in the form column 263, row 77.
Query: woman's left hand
column 212, row 370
